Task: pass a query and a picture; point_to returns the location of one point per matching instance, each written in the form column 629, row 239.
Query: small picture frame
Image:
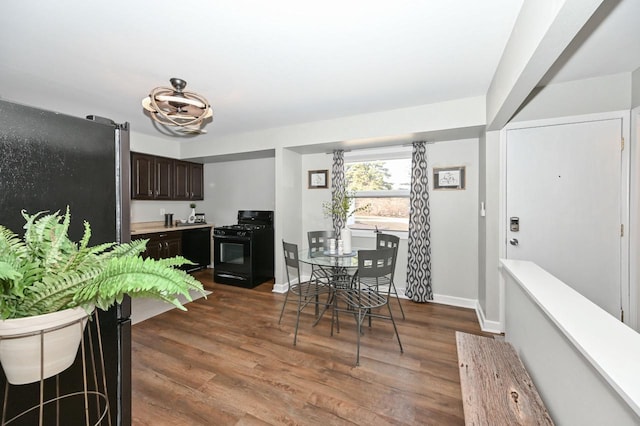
column 318, row 179
column 449, row 177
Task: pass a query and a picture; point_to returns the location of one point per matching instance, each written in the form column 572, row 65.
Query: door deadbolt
column 513, row 241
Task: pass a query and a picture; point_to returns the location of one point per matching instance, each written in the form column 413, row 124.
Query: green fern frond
column 57, row 292
column 84, row 242
column 46, row 272
column 134, row 248
column 136, row 277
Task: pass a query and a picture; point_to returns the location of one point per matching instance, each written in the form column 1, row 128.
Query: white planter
column 21, row 349
column 345, row 235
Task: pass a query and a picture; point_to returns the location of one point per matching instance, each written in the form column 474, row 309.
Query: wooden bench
column 496, row 388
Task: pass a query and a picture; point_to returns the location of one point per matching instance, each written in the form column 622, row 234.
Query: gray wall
column 237, row 185
column 635, row 89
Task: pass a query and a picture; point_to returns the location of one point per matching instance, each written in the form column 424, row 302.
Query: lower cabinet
column 162, row 244
column 194, row 244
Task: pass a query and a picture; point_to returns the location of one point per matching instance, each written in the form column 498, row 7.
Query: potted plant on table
column 343, row 206
column 44, row 275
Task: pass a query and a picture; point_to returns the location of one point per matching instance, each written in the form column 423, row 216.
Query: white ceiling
column 265, row 64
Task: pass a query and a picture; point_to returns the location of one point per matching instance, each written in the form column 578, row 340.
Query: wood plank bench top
column 496, row 388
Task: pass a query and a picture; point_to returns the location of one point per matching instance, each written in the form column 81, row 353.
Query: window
column 380, row 179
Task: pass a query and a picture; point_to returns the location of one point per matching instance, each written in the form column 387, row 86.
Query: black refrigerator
column 48, row 161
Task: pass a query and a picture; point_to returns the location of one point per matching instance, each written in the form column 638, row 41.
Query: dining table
column 337, row 269
column 325, row 259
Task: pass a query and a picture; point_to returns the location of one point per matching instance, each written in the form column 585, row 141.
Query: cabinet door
column 182, row 187
column 196, row 246
column 164, row 178
column 172, row 244
column 142, row 176
column 154, row 245
column 196, row 172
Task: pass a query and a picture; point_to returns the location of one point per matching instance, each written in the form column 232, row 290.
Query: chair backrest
column 375, row 264
column 389, row 241
column 319, row 241
column 291, row 261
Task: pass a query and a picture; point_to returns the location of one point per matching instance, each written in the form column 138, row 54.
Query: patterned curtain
column 419, row 256
column 337, row 186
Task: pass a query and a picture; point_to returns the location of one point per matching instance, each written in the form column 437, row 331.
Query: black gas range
column 244, row 252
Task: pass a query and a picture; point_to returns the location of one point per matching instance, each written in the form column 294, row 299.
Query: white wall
column 149, row 211
column 312, row 199
column 237, row 185
column 542, row 32
column 491, row 314
column 454, row 225
column 635, row 88
column 155, row 145
column 457, row 114
column 228, row 187
column 608, row 93
column 288, row 220
column 582, row 360
column 634, row 218
column 602, row 94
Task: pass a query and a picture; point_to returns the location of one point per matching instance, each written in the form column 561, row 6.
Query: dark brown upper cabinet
column 161, row 178
column 189, row 181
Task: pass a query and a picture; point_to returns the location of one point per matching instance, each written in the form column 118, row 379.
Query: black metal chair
column 319, row 241
column 369, row 292
column 307, row 292
column 386, row 240
column 318, row 245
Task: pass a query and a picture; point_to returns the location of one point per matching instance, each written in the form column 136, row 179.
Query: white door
column 565, row 186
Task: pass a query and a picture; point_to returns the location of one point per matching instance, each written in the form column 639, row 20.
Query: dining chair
column 387, row 240
column 318, row 245
column 369, row 292
column 319, row 241
column 307, row 292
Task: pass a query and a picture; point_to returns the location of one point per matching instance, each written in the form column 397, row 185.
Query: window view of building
column 383, row 186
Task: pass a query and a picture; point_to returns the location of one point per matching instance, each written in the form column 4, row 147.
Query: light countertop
column 140, row 228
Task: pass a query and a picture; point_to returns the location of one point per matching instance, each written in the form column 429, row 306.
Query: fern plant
column 44, row 271
column 342, row 205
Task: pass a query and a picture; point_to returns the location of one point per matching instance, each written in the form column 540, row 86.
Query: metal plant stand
column 91, row 399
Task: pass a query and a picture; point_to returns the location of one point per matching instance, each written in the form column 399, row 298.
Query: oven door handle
column 235, row 277
column 231, row 237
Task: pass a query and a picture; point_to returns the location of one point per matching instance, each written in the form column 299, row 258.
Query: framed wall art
column 449, row 177
column 318, row 179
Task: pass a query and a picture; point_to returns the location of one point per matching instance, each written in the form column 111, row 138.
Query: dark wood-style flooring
column 227, row 361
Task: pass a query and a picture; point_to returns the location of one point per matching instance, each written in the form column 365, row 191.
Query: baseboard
column 280, row 288
column 486, row 325
column 283, row 287
column 454, row 301
column 461, row 302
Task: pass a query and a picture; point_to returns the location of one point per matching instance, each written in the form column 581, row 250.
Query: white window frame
column 379, row 154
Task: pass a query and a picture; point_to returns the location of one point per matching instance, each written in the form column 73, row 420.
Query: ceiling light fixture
column 186, row 111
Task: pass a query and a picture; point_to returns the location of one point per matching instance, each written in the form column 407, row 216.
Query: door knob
column 513, row 241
